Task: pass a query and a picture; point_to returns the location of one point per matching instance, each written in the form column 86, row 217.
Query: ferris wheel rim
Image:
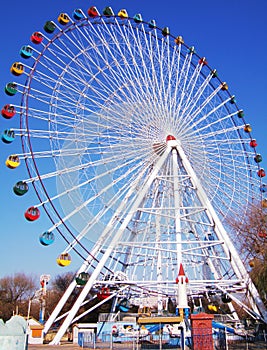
column 28, row 129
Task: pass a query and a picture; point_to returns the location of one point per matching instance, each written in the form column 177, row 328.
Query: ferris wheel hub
column 171, row 141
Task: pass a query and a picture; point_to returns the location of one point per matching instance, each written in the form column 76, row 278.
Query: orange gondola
column 247, row 128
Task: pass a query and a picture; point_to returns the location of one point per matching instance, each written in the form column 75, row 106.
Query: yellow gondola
column 123, row 13
column 63, row 19
column 224, row 86
column 64, row 259
column 247, row 128
column 13, row 161
column 17, row 68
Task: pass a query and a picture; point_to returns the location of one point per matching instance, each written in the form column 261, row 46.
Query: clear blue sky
column 231, row 34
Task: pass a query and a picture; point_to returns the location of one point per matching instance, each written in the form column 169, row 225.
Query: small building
column 83, row 328
column 36, row 332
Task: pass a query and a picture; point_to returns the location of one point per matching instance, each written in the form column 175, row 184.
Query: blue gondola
column 26, row 51
column 8, row 136
column 124, row 305
column 47, row 238
column 152, row 24
column 78, row 14
column 138, row 18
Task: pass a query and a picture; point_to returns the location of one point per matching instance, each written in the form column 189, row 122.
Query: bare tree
column 15, row 291
column 252, row 234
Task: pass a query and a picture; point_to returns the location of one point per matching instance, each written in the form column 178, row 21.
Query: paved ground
column 67, row 346
column 70, row 346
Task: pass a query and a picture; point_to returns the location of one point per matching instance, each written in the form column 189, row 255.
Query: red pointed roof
column 181, row 271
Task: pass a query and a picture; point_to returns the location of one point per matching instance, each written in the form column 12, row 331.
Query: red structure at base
column 202, row 331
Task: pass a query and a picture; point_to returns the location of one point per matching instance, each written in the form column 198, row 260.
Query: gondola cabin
column 26, row 51
column 63, row 19
column 93, row 12
column 240, row 113
column 212, row 308
column 137, row 18
column 37, row 38
column 214, row 73
column 262, row 233
column 8, row 111
column 263, row 188
column 11, row 89
column 13, row 161
column 49, row 27
column 17, row 68
column 165, row 31
column 123, row 13
column 82, row 278
column 224, row 86
column 247, row 128
column 78, row 14
column 226, row 298
column 108, row 11
column 8, row 136
column 104, row 293
column 124, row 305
column 203, row 61
column 179, row 40
column 261, row 173
column 264, row 203
column 47, row 238
column 64, row 259
column 20, row 188
column 32, row 214
column 192, row 50
column 232, row 100
column 251, row 263
column 144, row 311
column 253, row 143
column 258, row 158
column 152, row 24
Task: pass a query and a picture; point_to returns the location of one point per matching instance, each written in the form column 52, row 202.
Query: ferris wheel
column 138, row 154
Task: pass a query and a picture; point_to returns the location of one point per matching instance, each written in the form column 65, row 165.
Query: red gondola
column 262, row 233
column 104, row 293
column 32, row 214
column 261, row 172
column 8, row 111
column 37, row 38
column 93, row 12
column 203, row 61
column 253, row 143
